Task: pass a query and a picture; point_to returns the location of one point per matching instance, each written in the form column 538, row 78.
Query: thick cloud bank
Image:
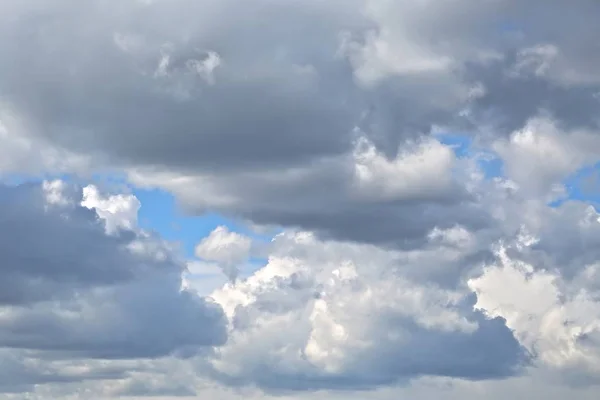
column 295, row 113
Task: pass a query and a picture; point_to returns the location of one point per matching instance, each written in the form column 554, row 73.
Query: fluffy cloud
column 342, row 315
column 326, row 315
column 555, row 320
column 227, row 249
column 323, row 315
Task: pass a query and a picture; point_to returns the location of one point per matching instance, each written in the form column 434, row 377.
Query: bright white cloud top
column 400, row 199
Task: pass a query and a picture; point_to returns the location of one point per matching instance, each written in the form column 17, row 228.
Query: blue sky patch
column 583, row 185
column 491, row 165
column 159, row 212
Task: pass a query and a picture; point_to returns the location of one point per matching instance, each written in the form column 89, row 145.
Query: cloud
column 334, row 196
column 276, row 98
column 324, row 315
column 227, row 249
column 73, row 288
column 331, row 315
column 406, row 266
column 21, row 154
column 527, row 151
column 285, row 107
column 22, row 371
column 523, row 64
column 558, row 325
column 335, row 315
column 119, row 212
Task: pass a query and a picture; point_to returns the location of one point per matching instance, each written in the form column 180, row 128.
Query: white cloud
column 540, row 156
column 422, row 170
column 117, row 211
column 559, row 327
column 228, row 249
column 325, row 314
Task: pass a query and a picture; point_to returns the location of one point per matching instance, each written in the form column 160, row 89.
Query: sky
column 298, row 200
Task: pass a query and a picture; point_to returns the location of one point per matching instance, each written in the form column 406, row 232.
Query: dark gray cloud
column 71, row 288
column 268, row 105
column 163, row 86
column 512, row 97
column 77, row 256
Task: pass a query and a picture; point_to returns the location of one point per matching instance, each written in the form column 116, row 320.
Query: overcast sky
column 299, row 199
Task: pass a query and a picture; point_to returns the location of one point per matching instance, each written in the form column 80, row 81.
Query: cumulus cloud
column 540, row 156
column 227, row 249
column 325, row 315
column 117, row 211
column 557, row 322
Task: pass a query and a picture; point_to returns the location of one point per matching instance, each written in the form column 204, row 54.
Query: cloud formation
column 227, row 249
column 74, row 287
column 428, row 168
column 271, row 127
column 327, row 315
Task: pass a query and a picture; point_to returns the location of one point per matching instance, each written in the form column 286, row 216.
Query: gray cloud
column 251, row 104
column 71, row 288
column 22, row 370
column 513, row 95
